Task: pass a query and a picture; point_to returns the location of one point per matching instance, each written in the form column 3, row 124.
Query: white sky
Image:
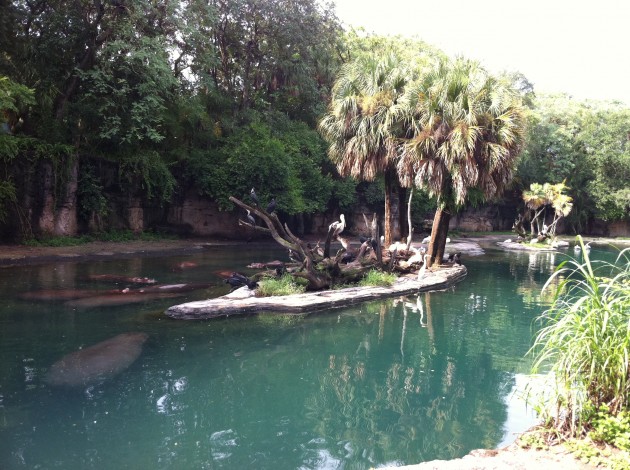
column 579, row 47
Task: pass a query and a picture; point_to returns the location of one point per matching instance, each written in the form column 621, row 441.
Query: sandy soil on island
column 511, row 457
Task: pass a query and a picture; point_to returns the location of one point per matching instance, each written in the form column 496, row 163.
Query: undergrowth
column 285, row 285
column 378, row 278
column 585, row 344
column 109, row 236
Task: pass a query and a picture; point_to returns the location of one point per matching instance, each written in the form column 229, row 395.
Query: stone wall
column 483, row 219
column 202, row 217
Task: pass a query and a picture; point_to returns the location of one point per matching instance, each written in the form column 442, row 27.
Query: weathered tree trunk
column 439, row 231
column 392, row 209
column 321, row 272
column 46, row 219
column 66, row 214
column 409, row 226
column 388, row 213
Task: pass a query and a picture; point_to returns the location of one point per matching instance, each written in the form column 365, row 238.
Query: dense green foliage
column 587, row 146
column 155, row 99
column 111, row 102
column 585, row 341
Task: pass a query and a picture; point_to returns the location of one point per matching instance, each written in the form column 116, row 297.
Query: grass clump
column 378, row 278
column 109, row 236
column 585, row 344
column 284, row 285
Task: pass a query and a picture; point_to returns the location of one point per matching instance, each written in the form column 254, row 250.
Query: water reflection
column 398, row 381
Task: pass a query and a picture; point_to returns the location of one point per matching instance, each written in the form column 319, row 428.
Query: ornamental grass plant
column 584, row 342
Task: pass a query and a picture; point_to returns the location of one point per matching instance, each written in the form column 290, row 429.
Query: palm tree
column 536, row 199
column 467, row 129
column 358, row 125
column 539, row 196
column 562, row 205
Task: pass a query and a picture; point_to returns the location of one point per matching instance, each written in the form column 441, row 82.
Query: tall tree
column 468, row 127
column 359, row 128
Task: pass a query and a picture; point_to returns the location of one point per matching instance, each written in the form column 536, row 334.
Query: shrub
column 586, row 340
column 378, row 278
column 285, row 285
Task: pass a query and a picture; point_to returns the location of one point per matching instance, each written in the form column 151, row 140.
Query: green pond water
column 391, row 382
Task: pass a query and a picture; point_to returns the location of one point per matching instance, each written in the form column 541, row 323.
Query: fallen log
column 244, row 302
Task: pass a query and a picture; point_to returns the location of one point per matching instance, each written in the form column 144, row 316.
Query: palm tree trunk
column 439, row 231
column 392, row 209
column 388, row 214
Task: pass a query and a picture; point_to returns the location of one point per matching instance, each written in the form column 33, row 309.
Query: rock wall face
column 620, row 228
column 205, row 219
column 483, row 219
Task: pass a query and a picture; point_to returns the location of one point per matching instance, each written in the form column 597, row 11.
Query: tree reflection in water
column 411, row 402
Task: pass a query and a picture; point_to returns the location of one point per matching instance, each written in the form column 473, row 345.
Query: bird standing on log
column 338, row 226
column 237, row 280
column 423, row 269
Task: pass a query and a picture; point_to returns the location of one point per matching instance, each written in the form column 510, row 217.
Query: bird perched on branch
column 250, row 218
column 271, row 207
column 338, row 226
column 252, row 195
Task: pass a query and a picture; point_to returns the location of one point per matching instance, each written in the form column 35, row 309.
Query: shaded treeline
column 111, row 105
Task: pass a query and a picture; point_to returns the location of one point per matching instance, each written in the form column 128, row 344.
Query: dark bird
column 272, row 206
column 237, row 280
column 454, row 258
column 250, row 218
column 252, row 195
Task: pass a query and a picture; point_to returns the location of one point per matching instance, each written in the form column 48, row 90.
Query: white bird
column 338, row 226
column 578, row 248
column 250, row 217
column 397, row 246
column 426, row 239
column 423, row 269
column 415, row 258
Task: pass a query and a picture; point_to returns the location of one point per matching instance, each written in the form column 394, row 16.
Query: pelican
column 423, row 269
column 337, row 227
column 250, row 218
column 400, row 246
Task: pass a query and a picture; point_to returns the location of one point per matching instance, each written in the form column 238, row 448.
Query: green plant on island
column 284, row 285
column 584, row 344
column 378, row 278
